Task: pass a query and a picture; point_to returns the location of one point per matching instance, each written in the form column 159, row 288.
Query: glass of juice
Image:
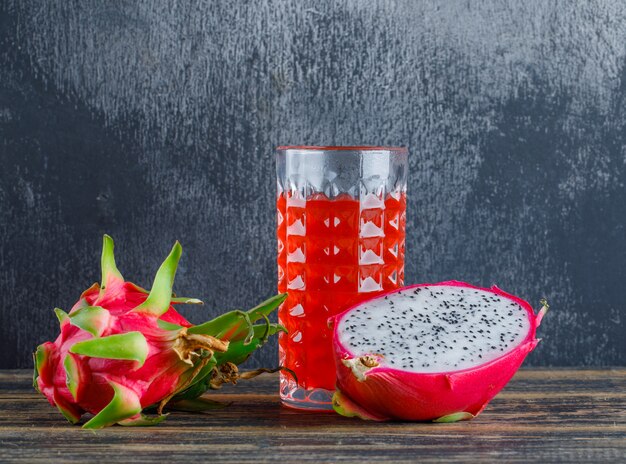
column 341, row 216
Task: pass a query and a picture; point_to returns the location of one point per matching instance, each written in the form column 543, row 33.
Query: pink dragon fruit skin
column 369, row 388
column 122, row 349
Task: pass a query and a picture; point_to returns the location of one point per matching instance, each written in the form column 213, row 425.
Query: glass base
column 294, row 396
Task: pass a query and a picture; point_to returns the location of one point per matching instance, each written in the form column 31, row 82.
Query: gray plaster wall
column 156, row 120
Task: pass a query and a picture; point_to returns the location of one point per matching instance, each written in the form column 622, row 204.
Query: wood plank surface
column 542, row 416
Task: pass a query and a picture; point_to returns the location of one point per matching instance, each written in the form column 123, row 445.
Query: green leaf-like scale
column 124, row 404
column 72, row 375
column 239, row 351
column 69, row 411
column 61, row 316
column 158, row 301
column 130, row 346
column 107, row 262
column 168, row 325
column 266, row 307
column 230, row 325
column 92, row 319
column 40, row 356
column 454, row 417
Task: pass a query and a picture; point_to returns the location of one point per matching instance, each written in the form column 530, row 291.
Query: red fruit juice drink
column 341, row 217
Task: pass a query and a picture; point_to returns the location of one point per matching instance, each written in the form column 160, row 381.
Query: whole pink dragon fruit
column 123, row 349
column 430, row 352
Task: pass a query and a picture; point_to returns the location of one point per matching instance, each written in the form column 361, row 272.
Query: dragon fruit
column 123, row 349
column 430, row 352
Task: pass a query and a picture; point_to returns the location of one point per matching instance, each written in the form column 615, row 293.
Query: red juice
column 332, row 254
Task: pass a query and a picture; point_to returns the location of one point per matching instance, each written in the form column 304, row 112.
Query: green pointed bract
column 168, row 325
column 160, row 297
column 124, row 404
column 222, row 325
column 227, row 325
column 68, row 412
column 82, row 303
column 454, row 417
column 344, row 406
column 40, row 357
column 266, row 307
column 71, row 418
column 239, row 351
column 72, row 375
column 143, row 421
column 174, row 299
column 35, row 374
column 131, row 346
column 61, row 316
column 268, row 327
column 92, row 319
column 110, row 272
column 186, row 300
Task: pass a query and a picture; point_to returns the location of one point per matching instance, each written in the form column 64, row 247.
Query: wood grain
column 542, row 416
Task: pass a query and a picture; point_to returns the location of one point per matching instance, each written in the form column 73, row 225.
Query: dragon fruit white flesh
column 435, row 352
column 123, row 349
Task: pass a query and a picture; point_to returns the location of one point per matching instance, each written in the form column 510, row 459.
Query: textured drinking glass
column 341, row 216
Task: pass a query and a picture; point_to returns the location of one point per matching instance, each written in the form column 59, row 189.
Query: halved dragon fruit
column 430, row 352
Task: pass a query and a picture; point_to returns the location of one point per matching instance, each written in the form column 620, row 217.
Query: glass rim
column 340, row 148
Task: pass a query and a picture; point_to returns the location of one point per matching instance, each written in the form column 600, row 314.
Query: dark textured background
column 156, row 120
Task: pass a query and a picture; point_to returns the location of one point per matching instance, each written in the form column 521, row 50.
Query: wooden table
column 542, row 416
